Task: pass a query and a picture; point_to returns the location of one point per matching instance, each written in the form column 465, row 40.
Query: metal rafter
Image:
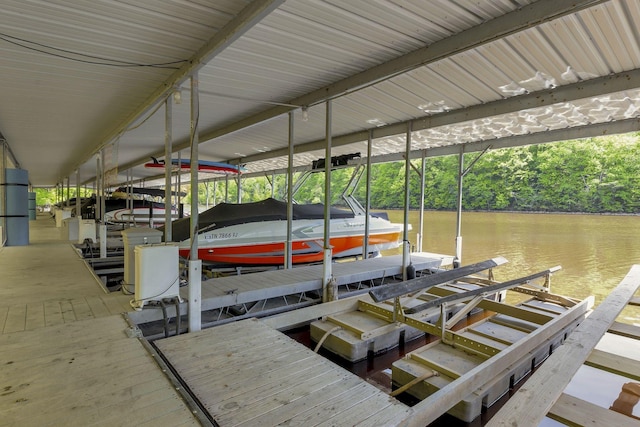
column 587, row 89
column 252, row 14
column 518, row 20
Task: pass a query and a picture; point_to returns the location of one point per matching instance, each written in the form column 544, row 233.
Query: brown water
column 595, row 251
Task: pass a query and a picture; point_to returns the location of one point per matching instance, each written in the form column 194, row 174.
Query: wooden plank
column 295, row 318
column 517, row 312
column 52, row 313
column 625, row 329
column 4, row 311
column 87, row 358
column 387, row 416
column 301, row 403
column 573, row 411
column 113, row 304
column 614, row 363
column 634, row 301
column 16, row 319
column 275, row 402
column 81, row 309
column 441, row 401
column 484, row 290
column 67, row 311
column 331, row 407
column 159, row 407
column 273, row 378
column 531, row 403
column 383, row 293
column 35, row 316
column 76, row 334
column 97, row 306
column 235, row 371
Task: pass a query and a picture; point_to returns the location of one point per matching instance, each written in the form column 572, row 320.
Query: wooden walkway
column 34, row 315
column 85, row 373
column 65, row 356
column 248, row 374
column 47, row 283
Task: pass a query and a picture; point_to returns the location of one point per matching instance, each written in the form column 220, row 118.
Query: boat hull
column 263, row 243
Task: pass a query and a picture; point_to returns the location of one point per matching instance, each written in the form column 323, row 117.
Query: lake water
column 595, row 251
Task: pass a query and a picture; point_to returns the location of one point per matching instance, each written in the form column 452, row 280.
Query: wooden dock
column 229, row 291
column 544, row 392
column 66, row 358
column 85, row 373
column 248, row 374
column 73, row 362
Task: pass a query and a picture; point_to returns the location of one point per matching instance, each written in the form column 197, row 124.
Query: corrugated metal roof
column 384, row 63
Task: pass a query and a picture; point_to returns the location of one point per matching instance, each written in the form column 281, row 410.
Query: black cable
column 114, row 62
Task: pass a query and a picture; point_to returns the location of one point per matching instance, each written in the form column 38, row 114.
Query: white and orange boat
column 256, row 233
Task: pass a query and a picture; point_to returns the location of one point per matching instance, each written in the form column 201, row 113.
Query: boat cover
column 226, row 214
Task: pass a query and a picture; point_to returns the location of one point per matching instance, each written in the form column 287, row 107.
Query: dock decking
column 248, row 288
column 247, row 374
column 79, row 366
column 85, row 373
column 65, row 358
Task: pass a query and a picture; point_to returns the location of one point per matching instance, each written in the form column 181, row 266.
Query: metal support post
column 407, row 176
column 168, row 142
column 288, row 250
column 367, row 207
column 195, row 265
column 327, row 273
column 458, row 259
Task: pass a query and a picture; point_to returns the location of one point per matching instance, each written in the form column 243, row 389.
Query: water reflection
column 595, row 251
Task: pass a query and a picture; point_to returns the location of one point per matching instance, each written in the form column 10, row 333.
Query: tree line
column 594, row 175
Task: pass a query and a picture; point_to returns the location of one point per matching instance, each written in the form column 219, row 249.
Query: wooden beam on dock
column 625, row 330
column 532, row 402
column 383, row 293
column 485, row 290
column 573, row 411
column 441, row 401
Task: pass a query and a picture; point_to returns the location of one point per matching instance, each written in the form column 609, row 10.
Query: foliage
column 51, row 196
column 595, row 175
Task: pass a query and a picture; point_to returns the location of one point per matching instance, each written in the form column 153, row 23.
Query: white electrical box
column 156, row 273
column 86, row 230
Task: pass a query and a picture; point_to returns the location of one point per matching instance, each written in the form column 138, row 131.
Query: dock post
column 103, row 240
column 329, row 289
column 195, row 301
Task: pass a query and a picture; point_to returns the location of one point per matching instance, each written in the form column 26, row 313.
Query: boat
column 139, row 209
column 203, row 166
column 255, row 233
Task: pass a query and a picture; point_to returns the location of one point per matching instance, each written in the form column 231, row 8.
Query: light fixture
column 305, row 114
column 177, row 96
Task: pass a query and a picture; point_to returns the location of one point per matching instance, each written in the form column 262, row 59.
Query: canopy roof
column 79, row 77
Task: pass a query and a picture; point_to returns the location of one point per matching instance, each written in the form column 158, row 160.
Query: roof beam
column 253, row 13
column 578, row 132
column 521, row 19
column 581, row 90
column 587, row 89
